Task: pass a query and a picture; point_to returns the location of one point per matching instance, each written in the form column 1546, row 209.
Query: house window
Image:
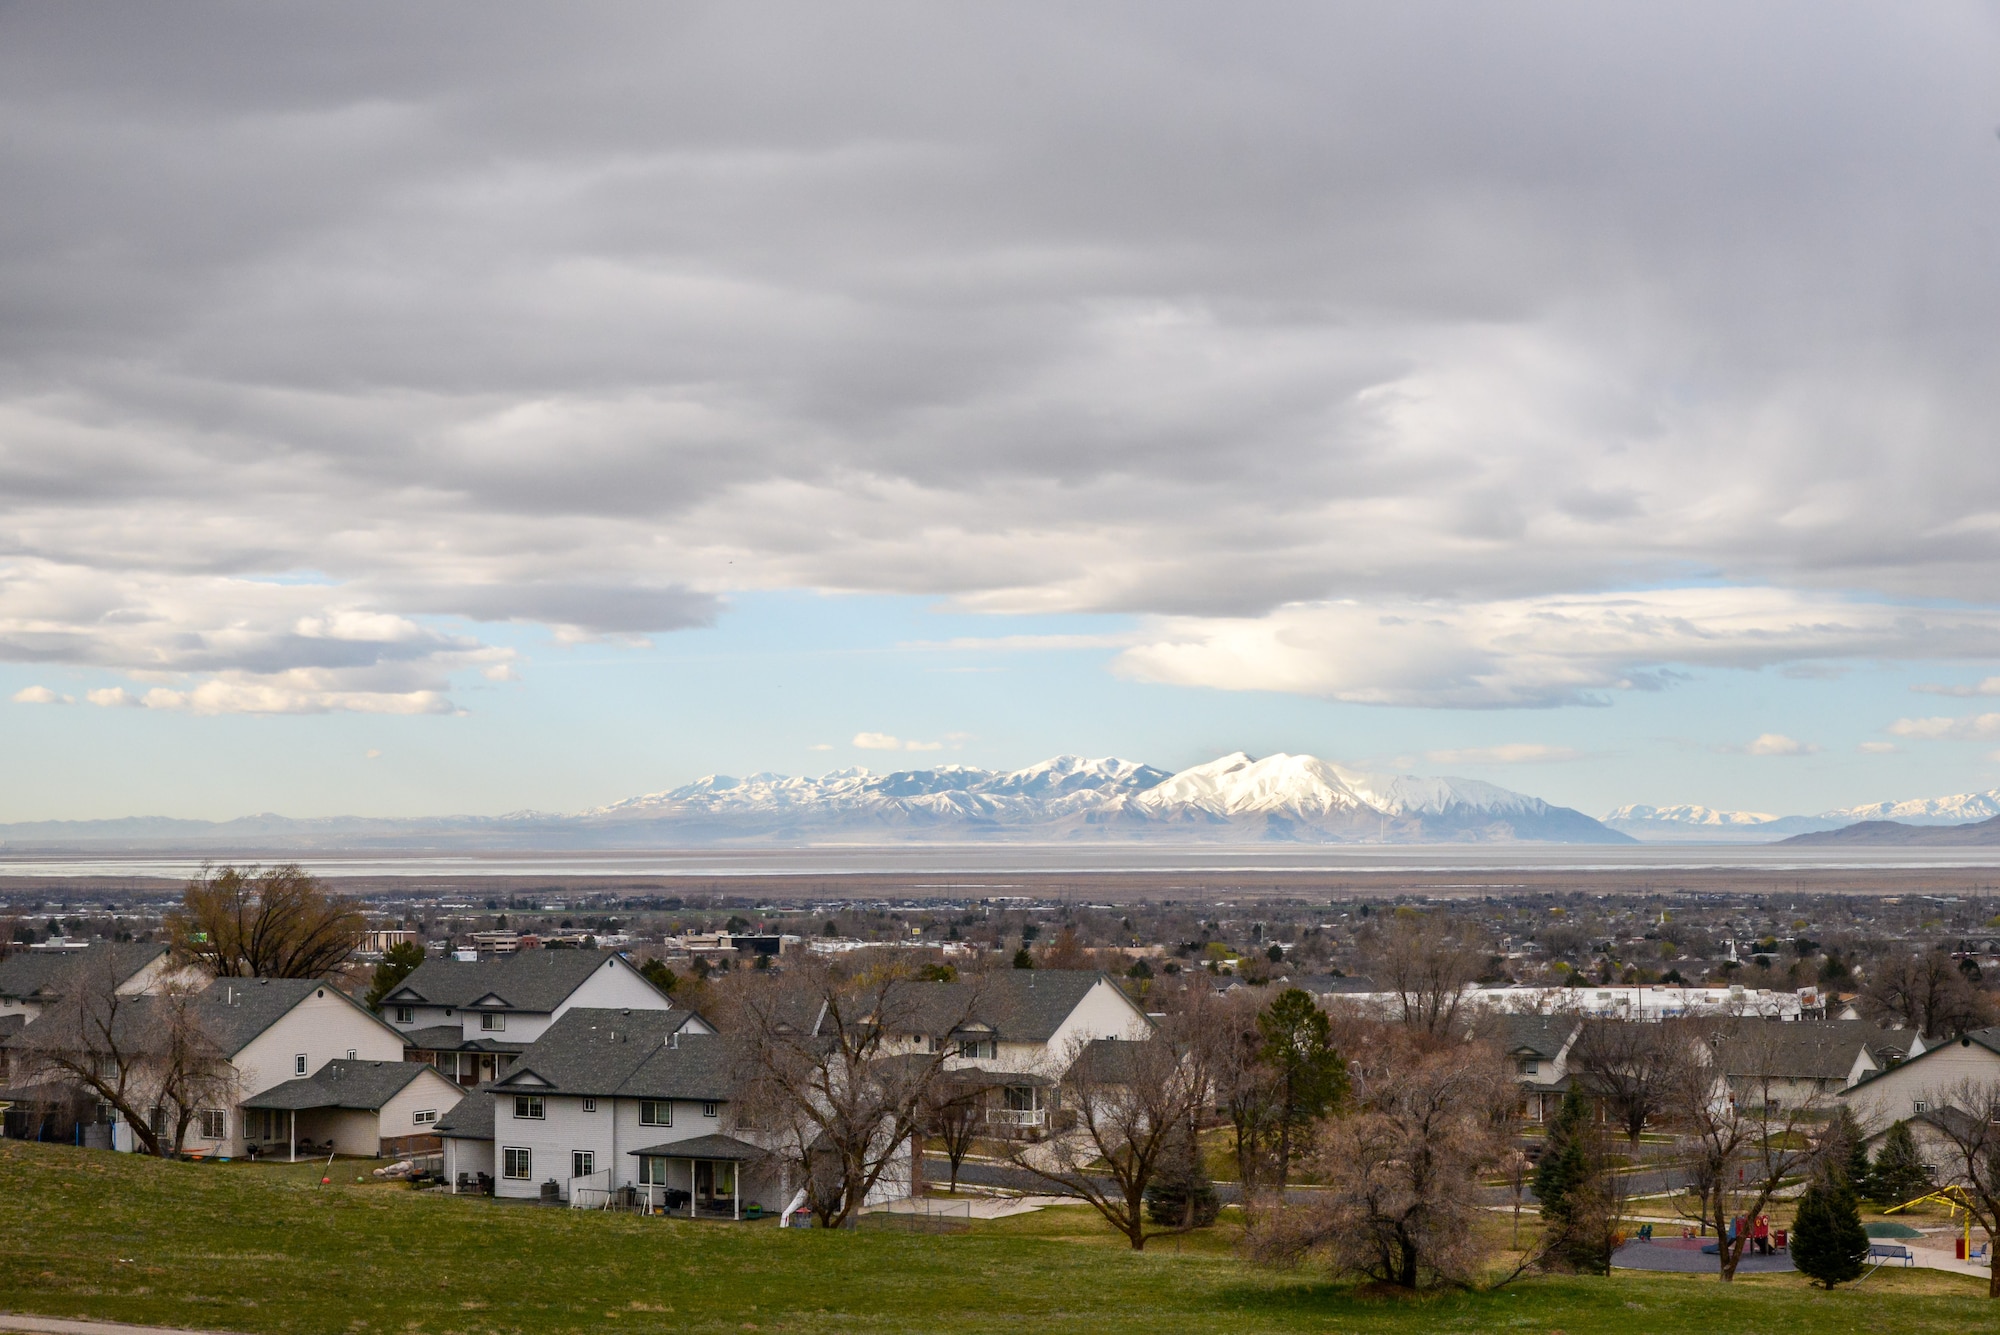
column 214, row 1126
column 352, row 1054
column 492, row 1022
column 590, row 1105
column 975, row 1047
column 299, row 1064
column 1530, row 1066
column 652, row 1171
column 516, row 1163
column 424, row 1116
column 1919, row 1106
column 582, row 1163
column 406, row 1015
column 159, row 1121
column 655, row 1113
column 708, row 1110
column 528, row 1107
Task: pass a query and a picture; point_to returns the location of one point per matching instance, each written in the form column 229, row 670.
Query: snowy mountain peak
column 1688, row 814
column 1301, row 787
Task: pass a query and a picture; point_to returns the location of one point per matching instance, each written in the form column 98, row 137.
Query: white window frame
column 590, row 1105
column 492, row 1022
column 652, row 1170
column 214, row 1124
column 708, row 1109
column 424, row 1117
column 406, row 1015
column 582, row 1159
column 530, row 1108
column 299, row 1064
column 656, row 1112
column 507, row 1153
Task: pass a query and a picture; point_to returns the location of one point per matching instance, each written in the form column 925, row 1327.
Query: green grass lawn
column 259, row 1248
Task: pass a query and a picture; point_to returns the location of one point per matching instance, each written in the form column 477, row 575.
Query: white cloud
column 1511, row 753
column 372, row 754
column 40, row 695
column 1538, row 651
column 1968, row 728
column 1986, row 686
column 1878, row 748
column 820, row 746
column 112, row 697
column 882, row 741
column 1777, row 744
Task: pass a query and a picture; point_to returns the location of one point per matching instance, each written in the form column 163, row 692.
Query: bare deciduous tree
column 1423, row 962
column 1965, row 1120
column 1925, row 992
column 1401, row 1203
column 955, row 1114
column 837, row 1070
column 1127, row 1105
column 1634, row 1067
column 142, row 1055
column 1737, row 1151
column 281, row 923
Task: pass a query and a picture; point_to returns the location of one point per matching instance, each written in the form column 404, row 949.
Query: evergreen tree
column 1829, row 1245
column 1309, row 1074
column 1563, row 1176
column 1848, row 1149
column 1898, row 1174
column 398, row 962
column 1181, row 1194
column 659, row 975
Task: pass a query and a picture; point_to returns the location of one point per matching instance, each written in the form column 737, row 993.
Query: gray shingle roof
column 1537, row 1035
column 37, row 975
column 623, row 1054
column 533, row 980
column 1019, row 1005
column 1326, row 984
column 1799, row 1050
column 233, row 1011
column 472, row 1119
column 344, row 1084
column 451, row 1038
column 706, row 1147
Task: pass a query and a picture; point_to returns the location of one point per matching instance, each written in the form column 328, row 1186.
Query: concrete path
column 14, row 1324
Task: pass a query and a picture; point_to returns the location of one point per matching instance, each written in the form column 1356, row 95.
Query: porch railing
column 1018, row 1116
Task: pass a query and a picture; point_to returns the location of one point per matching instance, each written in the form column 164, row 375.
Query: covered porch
column 701, row 1178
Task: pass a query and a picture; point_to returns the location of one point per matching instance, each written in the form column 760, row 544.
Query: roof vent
column 674, row 1039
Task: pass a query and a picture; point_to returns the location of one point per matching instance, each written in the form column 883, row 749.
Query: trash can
column 1778, row 1238
column 1960, row 1245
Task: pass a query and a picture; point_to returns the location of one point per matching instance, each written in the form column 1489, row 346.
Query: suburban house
column 610, row 1100
column 1016, row 1031
column 472, row 1019
column 1537, row 1049
column 1923, row 1086
column 1806, row 1062
column 33, row 980
column 354, row 1107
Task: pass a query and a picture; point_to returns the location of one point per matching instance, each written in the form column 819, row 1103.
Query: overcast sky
column 470, row 407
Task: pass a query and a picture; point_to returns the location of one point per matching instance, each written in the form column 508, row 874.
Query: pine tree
column 1852, row 1151
column 1898, row 1174
column 1829, row 1245
column 1310, row 1074
column 1564, row 1183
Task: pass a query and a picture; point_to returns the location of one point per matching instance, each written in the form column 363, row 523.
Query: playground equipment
column 1956, row 1203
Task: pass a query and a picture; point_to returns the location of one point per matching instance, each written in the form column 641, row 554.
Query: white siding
column 1892, row 1096
column 325, row 1026
column 429, row 1091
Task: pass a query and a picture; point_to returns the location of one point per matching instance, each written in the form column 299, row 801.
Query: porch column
column 735, row 1194
column 295, row 1134
column 690, row 1188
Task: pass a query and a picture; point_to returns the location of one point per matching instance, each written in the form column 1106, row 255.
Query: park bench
column 1890, row 1251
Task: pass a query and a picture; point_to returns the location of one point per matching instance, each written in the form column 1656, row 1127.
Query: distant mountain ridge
column 1705, row 824
column 1283, row 798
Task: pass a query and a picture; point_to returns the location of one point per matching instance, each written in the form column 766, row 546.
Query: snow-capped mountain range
column 1277, row 797
column 1696, row 823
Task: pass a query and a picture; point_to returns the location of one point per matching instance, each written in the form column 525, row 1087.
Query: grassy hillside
column 266, row 1249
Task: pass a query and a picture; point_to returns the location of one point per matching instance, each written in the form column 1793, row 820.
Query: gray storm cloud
column 585, row 317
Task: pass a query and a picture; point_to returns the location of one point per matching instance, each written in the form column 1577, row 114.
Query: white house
column 614, row 1099
column 354, row 1107
column 1925, row 1082
column 1016, row 1031
column 473, row 1018
column 1537, row 1050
